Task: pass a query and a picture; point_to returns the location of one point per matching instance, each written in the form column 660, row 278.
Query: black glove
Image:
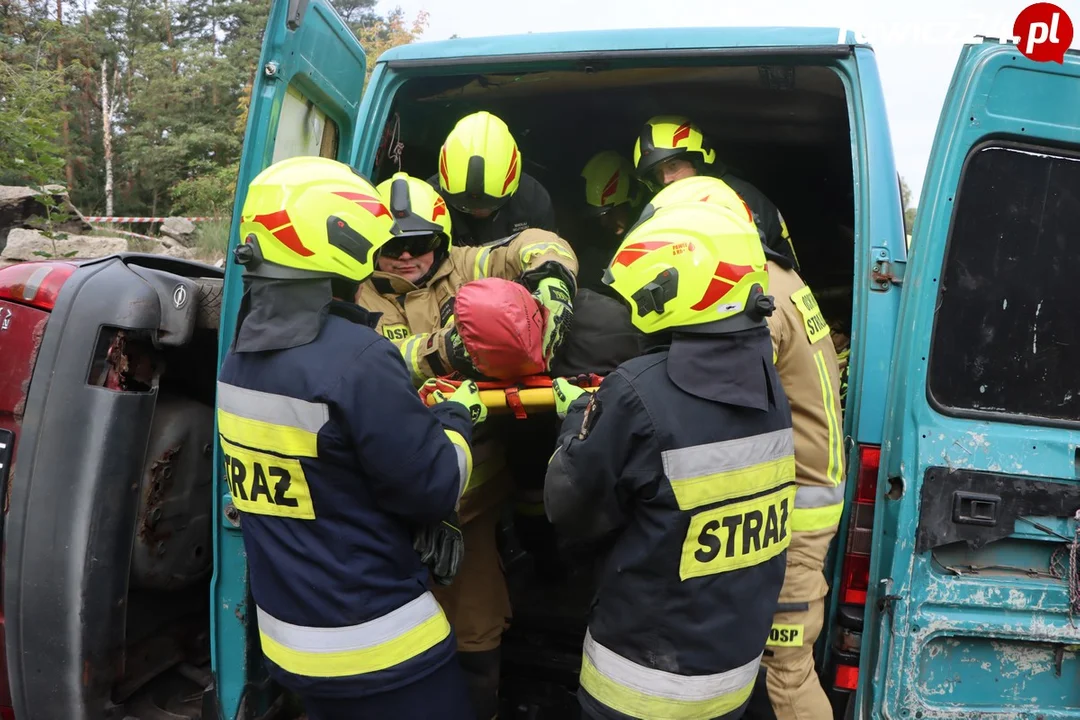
column 441, row 547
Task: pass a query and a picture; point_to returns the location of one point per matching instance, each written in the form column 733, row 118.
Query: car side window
column 1006, row 339
column 304, row 129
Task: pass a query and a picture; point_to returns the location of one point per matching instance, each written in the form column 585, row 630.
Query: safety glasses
column 415, row 245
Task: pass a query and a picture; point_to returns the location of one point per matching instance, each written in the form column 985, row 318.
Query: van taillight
column 34, row 283
column 856, row 574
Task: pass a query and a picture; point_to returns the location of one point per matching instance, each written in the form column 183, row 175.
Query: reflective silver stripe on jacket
column 818, row 497
column 463, row 468
column 272, row 408
column 699, row 460
column 352, row 637
column 666, row 685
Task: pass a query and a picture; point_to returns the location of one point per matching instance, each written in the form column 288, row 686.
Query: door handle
column 975, row 508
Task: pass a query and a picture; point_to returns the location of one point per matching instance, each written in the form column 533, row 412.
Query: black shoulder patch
column 446, row 311
column 588, row 420
column 500, row 241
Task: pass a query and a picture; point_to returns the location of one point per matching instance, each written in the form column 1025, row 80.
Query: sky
column 916, row 42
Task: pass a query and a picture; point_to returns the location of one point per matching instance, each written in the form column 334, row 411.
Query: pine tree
column 179, row 75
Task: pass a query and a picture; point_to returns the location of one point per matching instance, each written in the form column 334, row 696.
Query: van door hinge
column 885, row 271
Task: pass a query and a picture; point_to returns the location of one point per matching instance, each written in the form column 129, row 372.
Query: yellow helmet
column 479, row 164
column 609, row 181
column 694, row 267
column 699, row 188
column 668, row 136
column 423, row 221
column 312, row 217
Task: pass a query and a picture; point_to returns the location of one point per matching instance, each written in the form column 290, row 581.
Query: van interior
column 785, row 128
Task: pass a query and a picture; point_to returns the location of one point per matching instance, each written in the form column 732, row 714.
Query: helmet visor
column 470, row 203
column 414, row 245
column 614, row 219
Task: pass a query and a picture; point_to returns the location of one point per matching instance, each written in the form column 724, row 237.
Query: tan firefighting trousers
column 477, row 602
column 795, row 692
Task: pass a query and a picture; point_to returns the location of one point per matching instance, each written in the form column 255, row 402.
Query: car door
column 969, row 611
column 305, row 100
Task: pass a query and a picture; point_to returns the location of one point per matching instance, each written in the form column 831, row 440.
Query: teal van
column 953, row 586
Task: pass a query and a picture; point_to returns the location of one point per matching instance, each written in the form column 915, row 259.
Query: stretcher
column 530, row 395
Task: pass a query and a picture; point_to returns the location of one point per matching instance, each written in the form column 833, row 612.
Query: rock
column 180, row 229
column 157, row 246
column 19, row 204
column 166, row 246
column 22, row 245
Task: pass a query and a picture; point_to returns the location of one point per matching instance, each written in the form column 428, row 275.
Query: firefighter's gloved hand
column 441, row 547
column 468, row 396
column 435, row 390
column 554, row 295
column 458, row 353
column 565, row 393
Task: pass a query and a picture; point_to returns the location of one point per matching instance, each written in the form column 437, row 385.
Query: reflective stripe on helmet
column 692, row 263
column 355, row 649
column 311, row 217
column 609, row 180
column 479, row 163
column 416, row 206
column 668, row 136
column 710, row 473
column 638, row 691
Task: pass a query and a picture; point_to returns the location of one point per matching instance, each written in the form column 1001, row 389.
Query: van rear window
column 1006, row 336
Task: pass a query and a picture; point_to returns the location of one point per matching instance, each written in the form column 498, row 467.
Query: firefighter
column 480, row 176
column 418, row 274
column 613, row 199
column 332, row 459
column 671, row 147
column 481, row 179
column 683, row 462
column 806, row 360
column 602, row 336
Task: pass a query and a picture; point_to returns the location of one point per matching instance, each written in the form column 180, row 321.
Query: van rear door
column 969, row 610
column 305, row 100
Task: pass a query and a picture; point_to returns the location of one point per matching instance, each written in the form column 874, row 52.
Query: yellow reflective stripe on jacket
column 643, row 692
column 835, row 473
column 266, row 484
column 482, row 264
column 738, row 535
column 817, row 508
column 410, row 350
column 707, row 474
column 528, row 252
column 357, row 649
column 464, row 459
column 267, row 421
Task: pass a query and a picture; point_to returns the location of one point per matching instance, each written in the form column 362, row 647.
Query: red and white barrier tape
column 121, row 220
column 125, row 233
